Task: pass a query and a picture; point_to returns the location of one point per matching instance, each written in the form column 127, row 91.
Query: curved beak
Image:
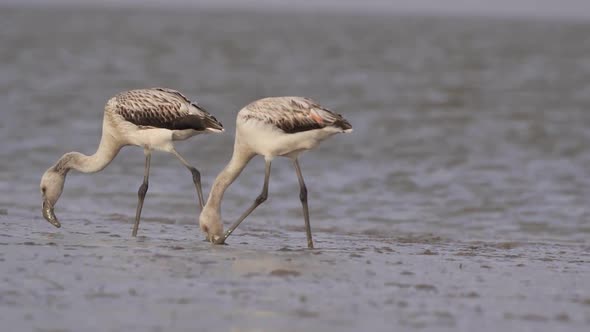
column 49, row 215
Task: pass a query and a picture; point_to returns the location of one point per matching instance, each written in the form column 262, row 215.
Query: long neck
column 232, row 170
column 106, row 152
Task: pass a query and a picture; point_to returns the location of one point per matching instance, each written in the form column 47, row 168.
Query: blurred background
column 471, row 118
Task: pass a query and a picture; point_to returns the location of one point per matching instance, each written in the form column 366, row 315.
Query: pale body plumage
column 148, row 118
column 270, row 127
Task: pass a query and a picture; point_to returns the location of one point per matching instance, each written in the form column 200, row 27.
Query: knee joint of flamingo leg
column 196, row 175
column 261, row 198
column 303, row 194
column 143, row 189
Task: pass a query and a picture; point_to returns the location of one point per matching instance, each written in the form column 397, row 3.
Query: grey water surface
column 460, row 201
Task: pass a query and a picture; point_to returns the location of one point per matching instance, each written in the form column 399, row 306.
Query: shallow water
column 92, row 277
column 470, row 145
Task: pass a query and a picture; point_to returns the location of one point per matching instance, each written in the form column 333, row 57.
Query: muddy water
column 92, row 277
column 459, row 202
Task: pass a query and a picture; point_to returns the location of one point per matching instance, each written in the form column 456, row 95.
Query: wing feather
column 293, row 114
column 163, row 108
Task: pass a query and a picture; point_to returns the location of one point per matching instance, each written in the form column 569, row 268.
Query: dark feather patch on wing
column 291, row 127
column 342, row 123
column 208, row 119
column 189, row 122
column 172, row 121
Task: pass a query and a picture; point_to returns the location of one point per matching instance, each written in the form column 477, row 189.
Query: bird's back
column 292, row 114
column 162, row 108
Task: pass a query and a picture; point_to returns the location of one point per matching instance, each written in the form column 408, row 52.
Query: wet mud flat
column 95, row 277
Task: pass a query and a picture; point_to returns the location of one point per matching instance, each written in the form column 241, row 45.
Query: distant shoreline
column 377, row 8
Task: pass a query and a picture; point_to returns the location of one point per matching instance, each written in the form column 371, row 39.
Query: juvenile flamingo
column 270, row 127
column 149, row 118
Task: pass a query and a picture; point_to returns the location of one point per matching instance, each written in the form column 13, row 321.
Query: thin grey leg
column 142, row 191
column 259, row 200
column 196, row 177
column 303, row 198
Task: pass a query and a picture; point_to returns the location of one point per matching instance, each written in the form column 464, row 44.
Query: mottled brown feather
column 163, row 108
column 293, row 114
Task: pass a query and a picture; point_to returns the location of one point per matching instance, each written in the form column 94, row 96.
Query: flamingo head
column 52, row 184
column 211, row 224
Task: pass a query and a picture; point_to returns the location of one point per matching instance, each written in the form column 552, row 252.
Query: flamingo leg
column 196, row 177
column 259, row 200
column 303, row 198
column 142, row 191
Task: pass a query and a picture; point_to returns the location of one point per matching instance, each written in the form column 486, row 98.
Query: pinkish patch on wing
column 316, row 117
